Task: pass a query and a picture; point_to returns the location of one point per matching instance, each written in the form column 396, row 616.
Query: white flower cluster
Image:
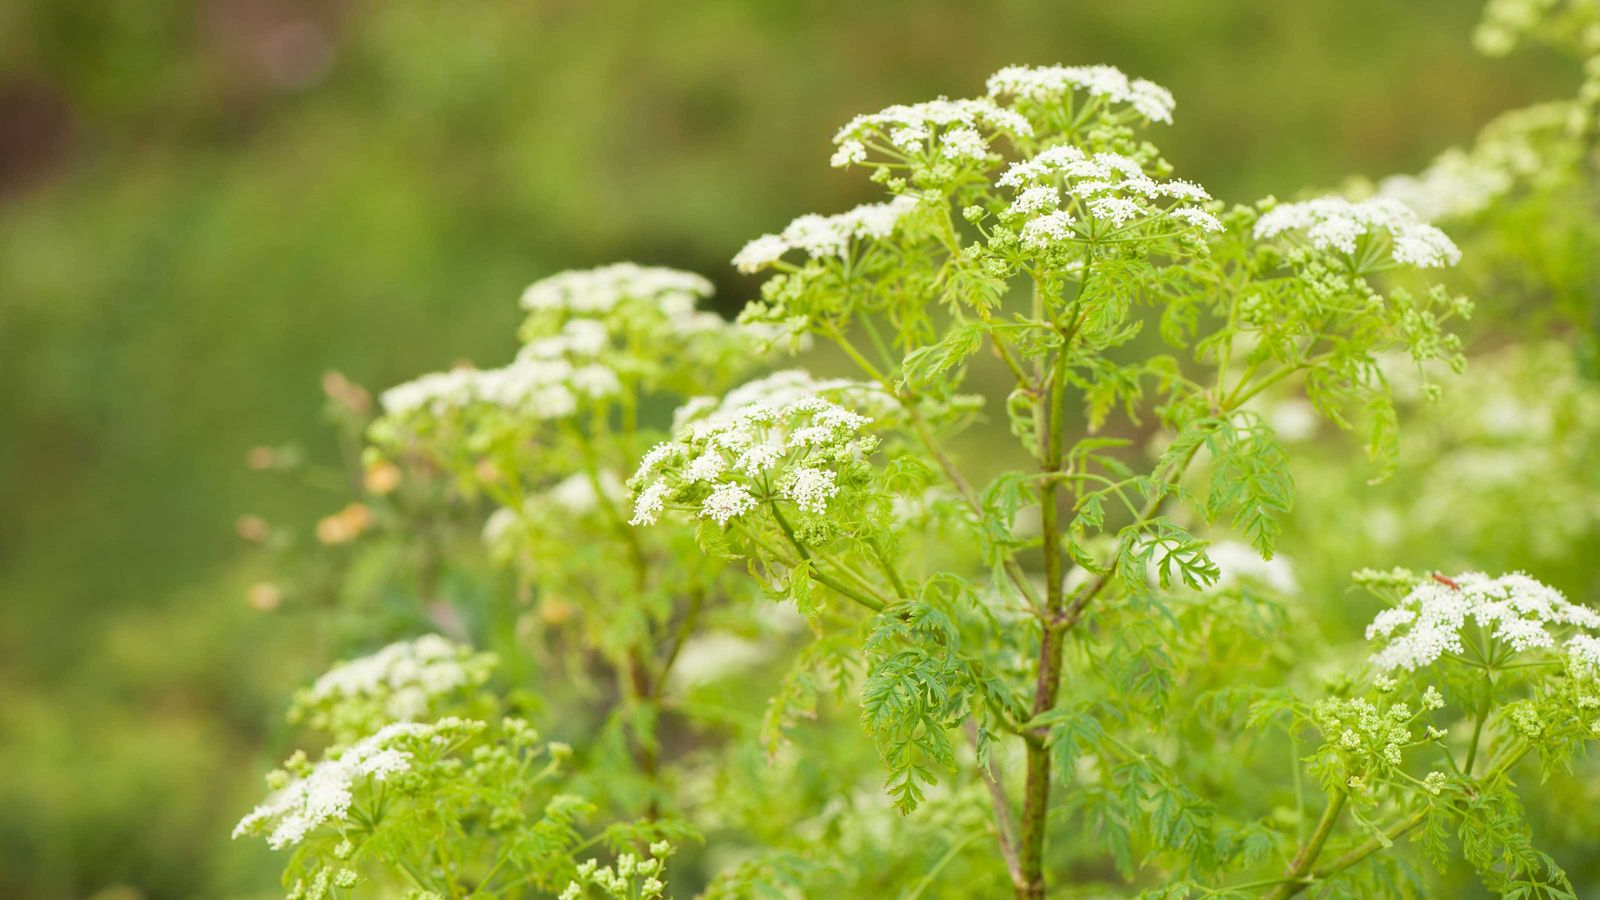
column 549, row 513
column 1584, row 650
column 598, row 291
column 1050, row 83
column 324, row 792
column 1518, row 147
column 577, row 337
column 575, row 494
column 776, row 445
column 958, row 129
column 536, row 388
column 1513, row 609
column 1105, row 186
column 1240, row 563
column 404, row 678
column 826, row 236
column 1455, row 185
column 1337, row 223
column 580, row 315
column 781, row 388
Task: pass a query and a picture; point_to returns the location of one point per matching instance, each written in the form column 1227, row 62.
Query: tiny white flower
column 810, row 488
column 849, row 153
column 649, row 504
column 964, row 143
column 760, row 252
column 727, row 502
column 1047, row 230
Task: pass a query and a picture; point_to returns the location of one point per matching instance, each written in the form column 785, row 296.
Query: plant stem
column 1036, row 785
column 1393, row 833
column 1004, row 820
column 946, row 465
column 1307, row 856
column 822, row 577
column 1477, row 726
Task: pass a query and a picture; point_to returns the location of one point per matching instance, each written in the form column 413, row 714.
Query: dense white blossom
column 848, row 153
column 726, row 502
column 810, row 488
column 1585, row 652
column 436, row 391
column 582, row 338
column 1454, row 185
column 500, row 526
column 780, row 438
column 1104, row 186
column 594, row 291
column 758, row 253
column 1336, row 223
column 1047, row 230
column 778, row 389
column 537, row 388
column 1197, row 217
column 1514, row 149
column 576, row 495
column 325, row 792
column 1048, row 83
column 405, row 675
column 1120, row 210
column 964, row 143
column 910, row 127
column 1034, row 200
column 1242, row 563
column 826, row 236
column 648, row 505
column 1513, row 609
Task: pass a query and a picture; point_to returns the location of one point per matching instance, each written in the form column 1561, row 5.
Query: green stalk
column 1303, row 861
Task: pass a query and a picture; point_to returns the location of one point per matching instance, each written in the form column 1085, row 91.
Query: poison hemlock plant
column 1079, row 657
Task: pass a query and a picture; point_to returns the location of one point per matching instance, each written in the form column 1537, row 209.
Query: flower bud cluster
column 1368, row 738
column 629, row 878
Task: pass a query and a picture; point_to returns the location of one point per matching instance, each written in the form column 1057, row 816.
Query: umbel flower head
column 951, row 129
column 770, row 441
column 642, row 323
column 1334, row 223
column 313, row 795
column 1513, row 610
column 598, row 291
column 1108, row 84
column 823, row 237
column 592, row 337
column 533, row 388
column 403, row 681
column 1062, row 192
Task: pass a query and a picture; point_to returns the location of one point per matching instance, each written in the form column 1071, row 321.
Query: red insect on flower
column 1446, row 581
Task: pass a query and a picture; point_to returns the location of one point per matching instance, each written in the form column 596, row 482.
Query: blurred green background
column 205, row 206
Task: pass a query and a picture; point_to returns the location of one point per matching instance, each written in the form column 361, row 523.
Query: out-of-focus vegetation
column 206, row 206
